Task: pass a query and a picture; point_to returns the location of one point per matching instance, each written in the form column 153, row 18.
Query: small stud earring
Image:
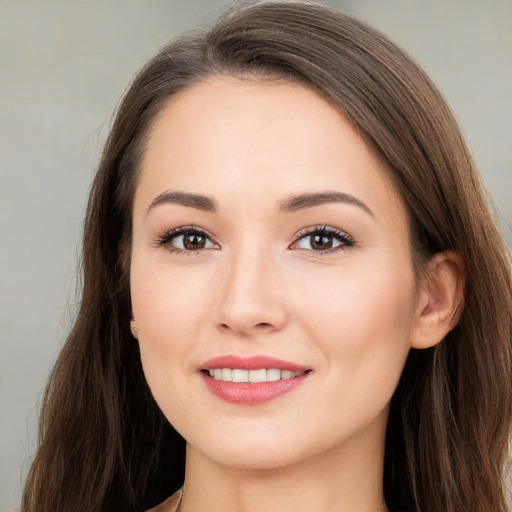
column 133, row 329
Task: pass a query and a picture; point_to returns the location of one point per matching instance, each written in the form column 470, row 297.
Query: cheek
column 167, row 307
column 163, row 299
column 361, row 316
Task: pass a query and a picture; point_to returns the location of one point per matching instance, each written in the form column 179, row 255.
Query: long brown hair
column 103, row 442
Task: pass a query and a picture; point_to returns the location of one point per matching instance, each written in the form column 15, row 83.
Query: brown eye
column 321, row 242
column 194, row 241
column 326, row 239
column 186, row 240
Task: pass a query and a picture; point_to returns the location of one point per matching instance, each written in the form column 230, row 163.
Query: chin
column 252, row 457
column 250, row 450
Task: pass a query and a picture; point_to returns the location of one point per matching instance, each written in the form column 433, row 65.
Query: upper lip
column 251, row 363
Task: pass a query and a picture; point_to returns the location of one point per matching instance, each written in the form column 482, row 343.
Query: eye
column 325, row 239
column 186, row 239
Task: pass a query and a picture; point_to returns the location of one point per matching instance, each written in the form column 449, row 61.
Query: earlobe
column 133, row 328
column 441, row 300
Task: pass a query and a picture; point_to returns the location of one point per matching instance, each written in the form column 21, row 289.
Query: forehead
column 234, row 139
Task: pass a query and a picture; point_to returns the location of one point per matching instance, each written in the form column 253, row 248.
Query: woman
column 289, row 258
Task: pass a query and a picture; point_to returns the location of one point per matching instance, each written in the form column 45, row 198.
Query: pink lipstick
column 251, row 380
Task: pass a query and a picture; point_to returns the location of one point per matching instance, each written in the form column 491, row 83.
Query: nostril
column 263, row 324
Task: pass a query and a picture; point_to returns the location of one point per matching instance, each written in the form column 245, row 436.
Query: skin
column 350, row 313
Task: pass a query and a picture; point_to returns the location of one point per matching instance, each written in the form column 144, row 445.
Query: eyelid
column 347, row 241
column 165, row 239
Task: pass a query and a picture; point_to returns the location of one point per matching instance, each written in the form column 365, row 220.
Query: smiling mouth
column 252, row 380
column 252, row 376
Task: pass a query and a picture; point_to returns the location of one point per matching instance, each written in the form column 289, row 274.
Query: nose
column 250, row 297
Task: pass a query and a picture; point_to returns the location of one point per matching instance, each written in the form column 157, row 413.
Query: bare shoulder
column 170, row 504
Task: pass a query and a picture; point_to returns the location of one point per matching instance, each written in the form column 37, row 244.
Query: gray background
column 63, row 67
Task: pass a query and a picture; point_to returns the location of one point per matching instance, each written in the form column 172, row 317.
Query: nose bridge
column 249, row 298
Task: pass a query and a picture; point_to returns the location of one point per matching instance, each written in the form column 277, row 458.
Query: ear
column 133, row 328
column 441, row 300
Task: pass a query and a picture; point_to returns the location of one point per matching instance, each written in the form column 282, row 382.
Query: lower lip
column 246, row 393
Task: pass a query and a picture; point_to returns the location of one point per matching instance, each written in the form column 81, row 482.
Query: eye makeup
column 186, row 240
column 321, row 240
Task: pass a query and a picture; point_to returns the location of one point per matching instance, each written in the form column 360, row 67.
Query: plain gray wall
column 63, row 67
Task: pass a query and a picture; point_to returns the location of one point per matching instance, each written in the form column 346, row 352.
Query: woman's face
column 269, row 243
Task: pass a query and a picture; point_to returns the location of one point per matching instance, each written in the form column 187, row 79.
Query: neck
column 347, row 478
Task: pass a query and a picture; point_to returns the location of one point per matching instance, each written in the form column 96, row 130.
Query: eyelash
column 166, row 239
column 345, row 240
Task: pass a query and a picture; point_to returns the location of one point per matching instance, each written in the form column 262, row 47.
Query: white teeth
column 253, row 376
column 240, row 375
column 227, row 374
column 258, row 375
column 273, row 374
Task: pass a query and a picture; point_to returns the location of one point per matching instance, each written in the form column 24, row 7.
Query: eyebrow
column 304, row 201
column 292, row 204
column 199, row 202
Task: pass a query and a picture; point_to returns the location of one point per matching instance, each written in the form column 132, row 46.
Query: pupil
column 194, row 242
column 322, row 242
